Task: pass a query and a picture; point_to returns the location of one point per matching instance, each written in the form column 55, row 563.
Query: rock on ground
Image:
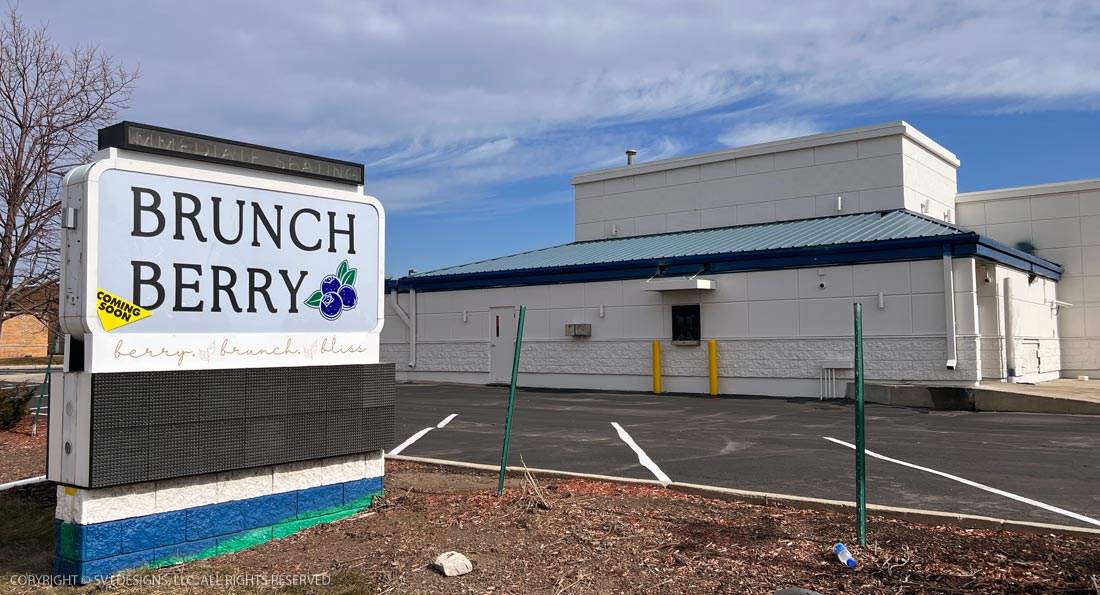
column 452, row 564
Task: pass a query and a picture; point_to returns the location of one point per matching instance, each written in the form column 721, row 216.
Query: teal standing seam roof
column 804, row 233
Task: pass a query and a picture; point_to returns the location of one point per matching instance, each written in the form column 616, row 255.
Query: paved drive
column 776, row 445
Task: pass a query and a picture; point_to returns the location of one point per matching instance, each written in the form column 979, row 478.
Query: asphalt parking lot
column 1029, row 467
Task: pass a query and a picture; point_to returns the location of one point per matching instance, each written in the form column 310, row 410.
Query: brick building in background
column 30, row 335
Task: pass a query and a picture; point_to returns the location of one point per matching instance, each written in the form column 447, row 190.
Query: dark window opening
column 686, row 325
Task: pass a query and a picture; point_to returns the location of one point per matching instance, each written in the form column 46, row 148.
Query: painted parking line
column 643, row 458
column 420, row 434
column 1036, row 503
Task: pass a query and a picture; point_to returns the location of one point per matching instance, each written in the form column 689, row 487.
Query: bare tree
column 52, row 102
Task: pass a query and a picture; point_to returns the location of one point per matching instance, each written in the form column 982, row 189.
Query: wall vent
column 578, row 330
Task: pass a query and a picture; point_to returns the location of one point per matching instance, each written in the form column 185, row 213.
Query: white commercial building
column 764, row 249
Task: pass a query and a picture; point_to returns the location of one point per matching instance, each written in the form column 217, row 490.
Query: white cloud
column 751, row 133
column 463, row 178
column 438, row 93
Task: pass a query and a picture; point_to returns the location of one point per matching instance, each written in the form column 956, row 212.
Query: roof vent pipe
column 630, row 153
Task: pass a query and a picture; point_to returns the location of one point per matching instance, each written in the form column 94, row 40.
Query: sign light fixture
column 188, row 145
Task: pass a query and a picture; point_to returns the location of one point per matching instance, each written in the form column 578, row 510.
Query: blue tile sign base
column 92, row 545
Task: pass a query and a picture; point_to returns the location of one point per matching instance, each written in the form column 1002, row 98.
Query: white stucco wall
column 1035, row 324
column 929, row 181
column 1062, row 221
column 774, row 328
column 890, row 166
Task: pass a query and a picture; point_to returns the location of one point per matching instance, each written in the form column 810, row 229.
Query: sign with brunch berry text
column 183, row 266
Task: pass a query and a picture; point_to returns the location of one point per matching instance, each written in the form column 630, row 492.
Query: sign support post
column 45, row 384
column 511, row 401
column 861, row 481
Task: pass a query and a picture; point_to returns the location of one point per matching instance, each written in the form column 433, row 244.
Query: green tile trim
column 207, row 553
column 66, row 540
column 277, row 531
column 245, row 541
column 361, row 503
column 290, row 527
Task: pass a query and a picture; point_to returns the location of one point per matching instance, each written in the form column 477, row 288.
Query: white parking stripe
column 643, row 458
column 420, row 434
column 1044, row 506
column 411, row 439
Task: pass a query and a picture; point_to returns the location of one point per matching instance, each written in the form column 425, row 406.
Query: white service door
column 502, row 343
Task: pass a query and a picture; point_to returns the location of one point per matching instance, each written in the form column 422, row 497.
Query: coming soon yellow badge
column 114, row 311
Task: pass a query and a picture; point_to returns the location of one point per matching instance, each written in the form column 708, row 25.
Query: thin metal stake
column 511, row 401
column 45, row 383
column 861, row 479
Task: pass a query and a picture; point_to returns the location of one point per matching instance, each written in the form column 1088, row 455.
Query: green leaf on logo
column 342, row 270
column 348, row 278
column 314, row 300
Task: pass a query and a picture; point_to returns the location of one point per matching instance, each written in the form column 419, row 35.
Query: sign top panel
column 188, row 145
column 176, row 265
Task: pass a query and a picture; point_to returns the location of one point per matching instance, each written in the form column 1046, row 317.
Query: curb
column 922, row 517
column 960, row 398
column 997, row 400
column 22, row 482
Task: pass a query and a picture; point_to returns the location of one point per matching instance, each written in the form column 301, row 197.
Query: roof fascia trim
column 881, row 251
column 1067, row 187
column 928, row 247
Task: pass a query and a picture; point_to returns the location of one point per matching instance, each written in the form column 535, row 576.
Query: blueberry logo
column 337, row 293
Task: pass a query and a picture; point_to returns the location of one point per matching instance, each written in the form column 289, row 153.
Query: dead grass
column 26, row 530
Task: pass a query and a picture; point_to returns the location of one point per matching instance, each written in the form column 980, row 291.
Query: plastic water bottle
column 844, row 555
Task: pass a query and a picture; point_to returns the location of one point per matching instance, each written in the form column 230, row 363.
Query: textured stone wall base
column 100, row 532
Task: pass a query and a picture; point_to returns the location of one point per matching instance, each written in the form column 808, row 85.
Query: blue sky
column 471, row 117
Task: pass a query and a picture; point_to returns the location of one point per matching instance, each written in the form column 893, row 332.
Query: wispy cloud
column 467, row 178
column 443, row 99
column 751, row 133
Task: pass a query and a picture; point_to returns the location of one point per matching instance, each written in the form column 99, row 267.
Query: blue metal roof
column 861, row 237
column 843, row 229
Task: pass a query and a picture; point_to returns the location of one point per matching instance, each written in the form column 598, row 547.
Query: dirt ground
column 23, row 455
column 584, row 536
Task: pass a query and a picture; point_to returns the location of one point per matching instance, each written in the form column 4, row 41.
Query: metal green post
column 861, row 480
column 45, row 383
column 511, row 400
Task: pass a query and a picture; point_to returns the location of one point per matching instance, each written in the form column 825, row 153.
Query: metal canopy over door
column 502, row 343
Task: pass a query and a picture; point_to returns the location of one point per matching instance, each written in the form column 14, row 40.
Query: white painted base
column 87, row 506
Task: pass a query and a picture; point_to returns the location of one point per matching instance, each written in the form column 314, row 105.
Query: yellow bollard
column 712, row 357
column 656, row 367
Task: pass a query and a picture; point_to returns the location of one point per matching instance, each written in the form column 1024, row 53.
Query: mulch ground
column 580, row 536
column 23, row 455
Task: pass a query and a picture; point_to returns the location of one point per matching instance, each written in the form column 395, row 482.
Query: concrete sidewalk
column 14, row 375
column 1063, row 396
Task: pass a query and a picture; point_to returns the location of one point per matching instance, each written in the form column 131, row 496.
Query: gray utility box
column 578, row 330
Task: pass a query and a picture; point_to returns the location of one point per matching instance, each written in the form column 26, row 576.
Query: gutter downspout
column 1010, row 334
column 949, row 306
column 409, row 320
